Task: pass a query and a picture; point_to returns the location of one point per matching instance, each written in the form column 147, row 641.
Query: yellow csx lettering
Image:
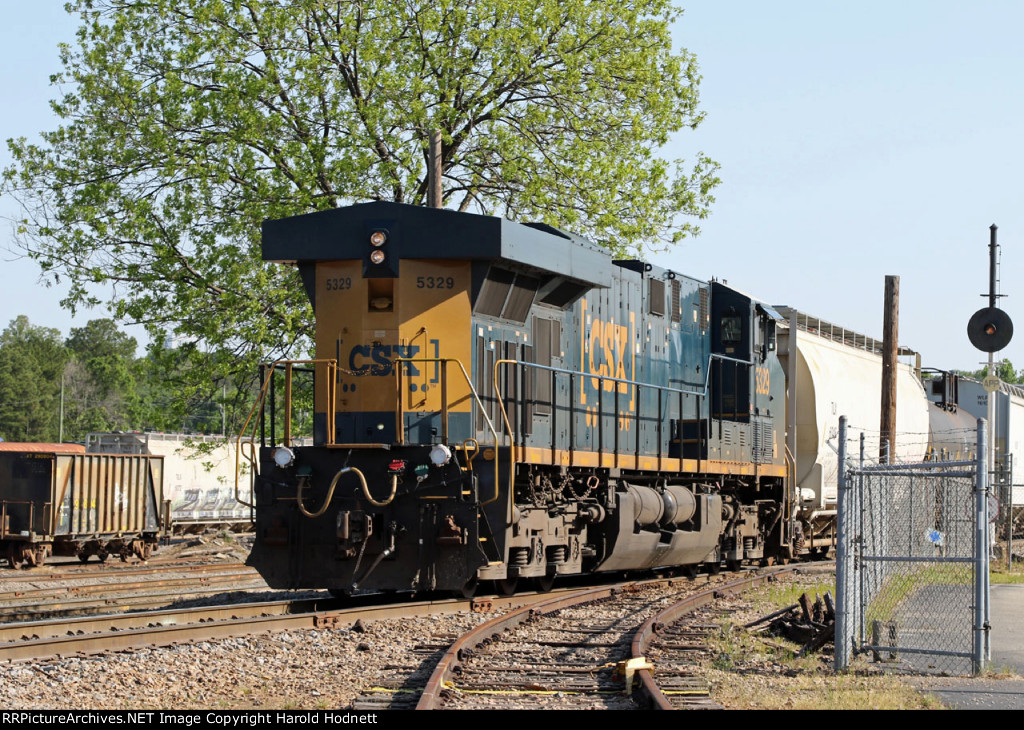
column 762, row 381
column 608, row 345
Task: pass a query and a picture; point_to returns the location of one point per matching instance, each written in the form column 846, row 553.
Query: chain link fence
column 912, row 562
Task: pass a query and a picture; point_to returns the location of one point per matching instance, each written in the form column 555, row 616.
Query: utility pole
column 887, row 427
column 60, row 428
column 434, row 170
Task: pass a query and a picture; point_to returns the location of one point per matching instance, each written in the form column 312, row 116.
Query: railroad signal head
column 990, row 329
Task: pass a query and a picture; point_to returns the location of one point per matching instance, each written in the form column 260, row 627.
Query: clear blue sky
column 859, row 140
column 856, row 141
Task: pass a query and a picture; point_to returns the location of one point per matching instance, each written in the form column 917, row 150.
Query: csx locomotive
column 503, row 402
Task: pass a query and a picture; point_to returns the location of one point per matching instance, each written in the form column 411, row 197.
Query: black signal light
column 990, row 329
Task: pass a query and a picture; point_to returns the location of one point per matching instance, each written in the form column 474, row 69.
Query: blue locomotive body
column 498, row 401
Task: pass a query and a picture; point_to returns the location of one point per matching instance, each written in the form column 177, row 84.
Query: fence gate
column 912, row 562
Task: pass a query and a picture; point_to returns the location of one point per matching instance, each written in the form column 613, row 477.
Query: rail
column 400, row 411
column 602, row 379
column 250, row 453
column 649, row 694
column 5, row 519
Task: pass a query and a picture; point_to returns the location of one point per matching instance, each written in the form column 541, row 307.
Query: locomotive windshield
column 732, row 329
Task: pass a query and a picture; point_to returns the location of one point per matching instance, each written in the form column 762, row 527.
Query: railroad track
column 580, row 651
column 71, row 594
column 672, row 640
column 435, row 663
column 562, row 654
column 34, row 640
column 64, row 573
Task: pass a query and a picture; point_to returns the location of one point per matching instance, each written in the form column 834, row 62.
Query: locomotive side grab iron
column 499, row 401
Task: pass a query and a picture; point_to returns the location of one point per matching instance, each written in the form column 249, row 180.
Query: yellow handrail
column 250, row 452
column 400, row 410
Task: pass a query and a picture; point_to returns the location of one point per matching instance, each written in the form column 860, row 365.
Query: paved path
column 970, row 693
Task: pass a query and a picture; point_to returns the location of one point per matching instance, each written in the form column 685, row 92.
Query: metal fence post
column 858, row 566
column 842, row 633
column 980, row 547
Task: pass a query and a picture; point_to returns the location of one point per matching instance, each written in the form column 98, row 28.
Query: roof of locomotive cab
column 432, row 233
column 760, row 304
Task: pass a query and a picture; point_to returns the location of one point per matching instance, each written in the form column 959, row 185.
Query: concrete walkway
column 983, row 693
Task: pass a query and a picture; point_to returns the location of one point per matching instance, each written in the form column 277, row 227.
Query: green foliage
column 100, row 380
column 31, row 362
column 1004, row 369
column 186, row 123
column 105, row 386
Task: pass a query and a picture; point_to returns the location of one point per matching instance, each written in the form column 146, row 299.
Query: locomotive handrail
column 609, row 378
column 250, row 453
column 700, row 393
column 704, row 393
column 601, row 378
column 400, row 411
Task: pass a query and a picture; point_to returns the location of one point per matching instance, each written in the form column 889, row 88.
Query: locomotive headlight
column 378, row 238
column 377, row 256
column 283, row 456
column 440, row 455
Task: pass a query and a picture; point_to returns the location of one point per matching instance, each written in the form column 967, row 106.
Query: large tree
column 32, row 361
column 187, row 122
column 100, row 381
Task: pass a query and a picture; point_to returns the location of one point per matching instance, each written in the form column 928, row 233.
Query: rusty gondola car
column 57, row 500
column 497, row 401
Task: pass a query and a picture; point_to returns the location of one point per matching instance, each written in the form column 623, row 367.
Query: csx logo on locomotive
column 606, row 348
column 377, row 359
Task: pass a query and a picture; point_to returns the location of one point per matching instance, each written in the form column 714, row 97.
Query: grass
column 781, row 594
column 758, row 671
column 998, row 573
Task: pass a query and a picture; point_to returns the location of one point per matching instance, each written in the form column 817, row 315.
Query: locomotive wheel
column 102, row 556
column 14, row 556
column 506, row 586
column 733, row 565
column 714, row 568
column 545, row 582
column 84, row 557
column 690, row 571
